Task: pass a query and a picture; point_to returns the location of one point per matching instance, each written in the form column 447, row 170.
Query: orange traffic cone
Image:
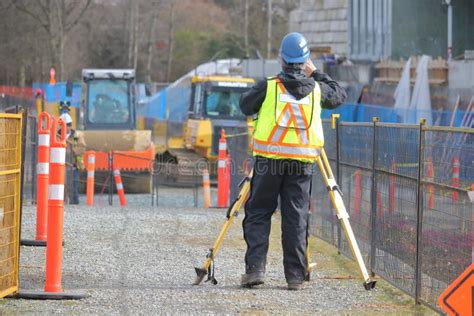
column 119, row 186
column 90, row 177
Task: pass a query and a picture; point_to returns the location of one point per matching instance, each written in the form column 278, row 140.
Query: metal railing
column 405, row 188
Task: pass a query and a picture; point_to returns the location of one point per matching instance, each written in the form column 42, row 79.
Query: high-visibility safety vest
column 288, row 128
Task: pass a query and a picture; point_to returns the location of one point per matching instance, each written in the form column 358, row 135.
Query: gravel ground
column 139, row 260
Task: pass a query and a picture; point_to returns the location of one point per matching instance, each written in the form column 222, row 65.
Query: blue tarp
column 57, row 92
column 359, row 112
column 155, row 107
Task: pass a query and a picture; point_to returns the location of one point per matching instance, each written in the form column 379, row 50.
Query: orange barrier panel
column 206, row 187
column 125, row 160
column 222, row 191
column 90, row 177
column 119, row 186
column 455, row 181
column 25, row 92
column 357, row 193
column 54, row 244
column 42, row 177
column 392, row 193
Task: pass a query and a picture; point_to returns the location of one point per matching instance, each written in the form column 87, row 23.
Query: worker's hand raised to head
column 309, row 68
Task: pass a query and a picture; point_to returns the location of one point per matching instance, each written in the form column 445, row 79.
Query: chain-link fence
column 405, row 188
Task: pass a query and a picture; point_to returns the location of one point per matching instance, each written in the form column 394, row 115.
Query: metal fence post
column 153, row 180
column 34, row 148
column 419, row 213
column 373, row 200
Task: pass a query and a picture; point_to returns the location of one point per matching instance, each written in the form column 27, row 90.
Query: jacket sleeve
column 251, row 101
column 332, row 94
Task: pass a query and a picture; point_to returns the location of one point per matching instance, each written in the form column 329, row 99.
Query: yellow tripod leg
column 232, row 212
column 343, row 216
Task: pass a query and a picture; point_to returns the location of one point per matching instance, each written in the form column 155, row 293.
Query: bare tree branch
column 69, row 26
column 23, row 9
column 70, row 8
column 43, row 7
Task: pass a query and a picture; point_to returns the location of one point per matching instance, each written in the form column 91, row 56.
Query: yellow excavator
column 197, row 109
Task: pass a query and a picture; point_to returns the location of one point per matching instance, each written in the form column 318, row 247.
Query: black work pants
column 291, row 181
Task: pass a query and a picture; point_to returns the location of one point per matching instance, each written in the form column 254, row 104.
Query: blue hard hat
column 294, row 48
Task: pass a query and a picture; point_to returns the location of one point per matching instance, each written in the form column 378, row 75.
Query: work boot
column 295, row 286
column 252, row 279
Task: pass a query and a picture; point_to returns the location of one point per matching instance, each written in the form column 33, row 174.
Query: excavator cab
column 215, row 107
column 109, row 126
column 109, row 99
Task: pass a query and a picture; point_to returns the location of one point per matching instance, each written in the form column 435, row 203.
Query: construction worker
column 287, row 137
column 76, row 141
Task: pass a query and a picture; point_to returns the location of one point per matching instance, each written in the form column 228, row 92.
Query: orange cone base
column 38, row 295
column 33, row 243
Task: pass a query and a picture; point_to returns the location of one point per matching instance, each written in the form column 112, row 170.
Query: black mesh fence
column 29, row 168
column 12, row 104
column 447, row 232
column 241, row 157
column 406, row 190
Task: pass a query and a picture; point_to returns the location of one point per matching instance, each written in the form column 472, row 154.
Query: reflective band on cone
column 43, row 139
column 42, row 168
column 56, row 192
column 90, row 177
column 54, row 244
column 42, row 176
column 119, row 186
column 58, row 155
column 222, row 190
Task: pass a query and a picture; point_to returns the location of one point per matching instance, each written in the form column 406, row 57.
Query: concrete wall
column 323, row 23
column 463, row 26
column 420, row 27
column 461, row 78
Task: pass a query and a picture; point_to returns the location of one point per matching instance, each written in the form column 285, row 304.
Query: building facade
column 375, row 29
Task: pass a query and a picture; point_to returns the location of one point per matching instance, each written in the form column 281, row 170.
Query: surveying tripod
column 335, row 195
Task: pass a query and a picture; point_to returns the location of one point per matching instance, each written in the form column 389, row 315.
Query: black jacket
column 299, row 86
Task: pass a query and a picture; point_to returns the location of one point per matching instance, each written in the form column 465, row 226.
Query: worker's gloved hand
column 309, row 68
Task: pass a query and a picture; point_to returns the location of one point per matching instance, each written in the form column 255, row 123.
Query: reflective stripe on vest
column 287, row 127
column 285, row 150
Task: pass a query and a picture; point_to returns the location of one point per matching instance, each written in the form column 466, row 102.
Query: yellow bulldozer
column 108, row 121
